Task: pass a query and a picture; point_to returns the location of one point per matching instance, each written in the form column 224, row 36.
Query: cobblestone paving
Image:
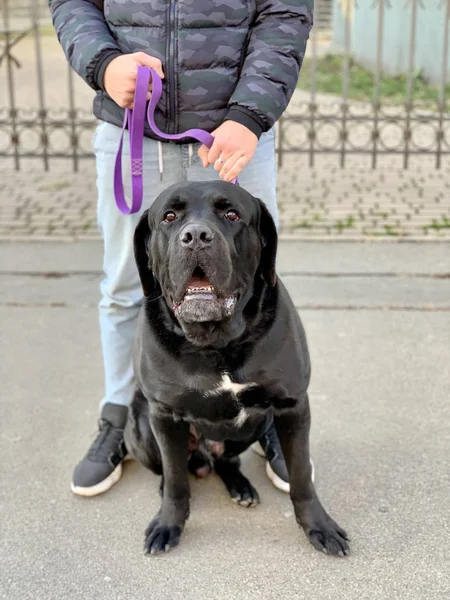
column 321, row 201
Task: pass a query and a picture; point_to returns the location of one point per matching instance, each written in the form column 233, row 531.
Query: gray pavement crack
column 318, row 307
column 330, row 275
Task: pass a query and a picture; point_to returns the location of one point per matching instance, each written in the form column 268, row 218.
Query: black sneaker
column 101, row 468
column 269, row 447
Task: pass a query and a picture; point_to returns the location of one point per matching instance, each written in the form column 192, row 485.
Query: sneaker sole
column 277, row 481
column 99, row 488
column 280, row 483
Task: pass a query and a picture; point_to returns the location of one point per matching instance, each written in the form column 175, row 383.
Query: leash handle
column 134, row 120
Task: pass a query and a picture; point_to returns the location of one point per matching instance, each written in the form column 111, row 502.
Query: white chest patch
column 227, row 385
column 241, row 417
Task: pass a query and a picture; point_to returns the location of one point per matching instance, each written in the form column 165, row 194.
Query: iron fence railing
column 45, row 109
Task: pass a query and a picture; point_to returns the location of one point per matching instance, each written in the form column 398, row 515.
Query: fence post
column 11, row 92
column 345, row 82
column 40, row 81
column 72, row 116
column 377, row 77
column 442, row 99
column 312, row 103
column 410, row 83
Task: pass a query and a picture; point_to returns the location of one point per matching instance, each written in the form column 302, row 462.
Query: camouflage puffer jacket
column 222, row 59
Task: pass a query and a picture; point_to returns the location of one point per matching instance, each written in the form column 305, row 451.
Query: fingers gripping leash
column 134, row 120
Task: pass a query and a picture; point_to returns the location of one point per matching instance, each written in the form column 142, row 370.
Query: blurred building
column 363, row 19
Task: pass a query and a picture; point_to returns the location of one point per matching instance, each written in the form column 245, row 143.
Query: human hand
column 121, row 73
column 233, row 148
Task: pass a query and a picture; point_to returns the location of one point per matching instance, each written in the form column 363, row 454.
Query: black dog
column 220, row 352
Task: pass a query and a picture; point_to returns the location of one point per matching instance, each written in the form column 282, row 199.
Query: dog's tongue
column 198, row 282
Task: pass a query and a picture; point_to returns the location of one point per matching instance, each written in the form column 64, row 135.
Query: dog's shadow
column 207, row 494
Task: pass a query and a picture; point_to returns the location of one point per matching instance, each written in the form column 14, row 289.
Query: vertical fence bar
column 313, row 102
column 410, row 83
column 377, row 77
column 11, row 91
column 72, row 117
column 345, row 82
column 34, row 9
column 442, row 89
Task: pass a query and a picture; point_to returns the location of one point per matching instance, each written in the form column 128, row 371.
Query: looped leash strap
column 134, row 119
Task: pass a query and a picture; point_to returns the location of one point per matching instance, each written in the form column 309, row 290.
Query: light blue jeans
column 121, row 288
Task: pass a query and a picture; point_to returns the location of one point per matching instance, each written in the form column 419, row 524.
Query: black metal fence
column 352, row 98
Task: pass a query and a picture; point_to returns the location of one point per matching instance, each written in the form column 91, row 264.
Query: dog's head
column 204, row 246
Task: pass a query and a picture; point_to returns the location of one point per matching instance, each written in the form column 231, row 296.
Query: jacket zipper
column 171, row 65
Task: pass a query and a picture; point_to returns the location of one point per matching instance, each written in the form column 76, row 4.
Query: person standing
column 229, row 67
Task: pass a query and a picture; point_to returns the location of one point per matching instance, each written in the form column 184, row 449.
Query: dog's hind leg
column 142, row 445
column 239, row 487
column 199, row 464
column 200, row 461
column 139, row 438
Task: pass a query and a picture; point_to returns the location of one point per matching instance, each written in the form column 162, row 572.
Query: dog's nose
column 196, row 236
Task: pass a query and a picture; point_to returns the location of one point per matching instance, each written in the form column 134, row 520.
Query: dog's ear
column 142, row 235
column 269, row 240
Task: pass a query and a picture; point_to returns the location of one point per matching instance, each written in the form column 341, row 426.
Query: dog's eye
column 169, row 216
column 232, row 215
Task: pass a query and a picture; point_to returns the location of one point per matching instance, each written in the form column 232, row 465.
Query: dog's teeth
column 200, row 289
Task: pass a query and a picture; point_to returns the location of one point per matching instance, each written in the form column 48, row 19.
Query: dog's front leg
column 165, row 529
column 319, row 527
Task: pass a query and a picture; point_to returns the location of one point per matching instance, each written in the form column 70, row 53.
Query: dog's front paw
column 328, row 537
column 160, row 537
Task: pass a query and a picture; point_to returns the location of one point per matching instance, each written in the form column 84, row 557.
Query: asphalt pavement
column 377, row 316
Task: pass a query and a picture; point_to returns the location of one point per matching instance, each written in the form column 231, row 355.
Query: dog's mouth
column 199, row 287
column 202, row 302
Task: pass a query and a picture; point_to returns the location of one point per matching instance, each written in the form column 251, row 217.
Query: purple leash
column 134, row 120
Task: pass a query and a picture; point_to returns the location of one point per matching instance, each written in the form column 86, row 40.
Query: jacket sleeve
column 85, row 37
column 272, row 63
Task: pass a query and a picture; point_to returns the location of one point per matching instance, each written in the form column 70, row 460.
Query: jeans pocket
column 94, row 141
column 107, row 138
